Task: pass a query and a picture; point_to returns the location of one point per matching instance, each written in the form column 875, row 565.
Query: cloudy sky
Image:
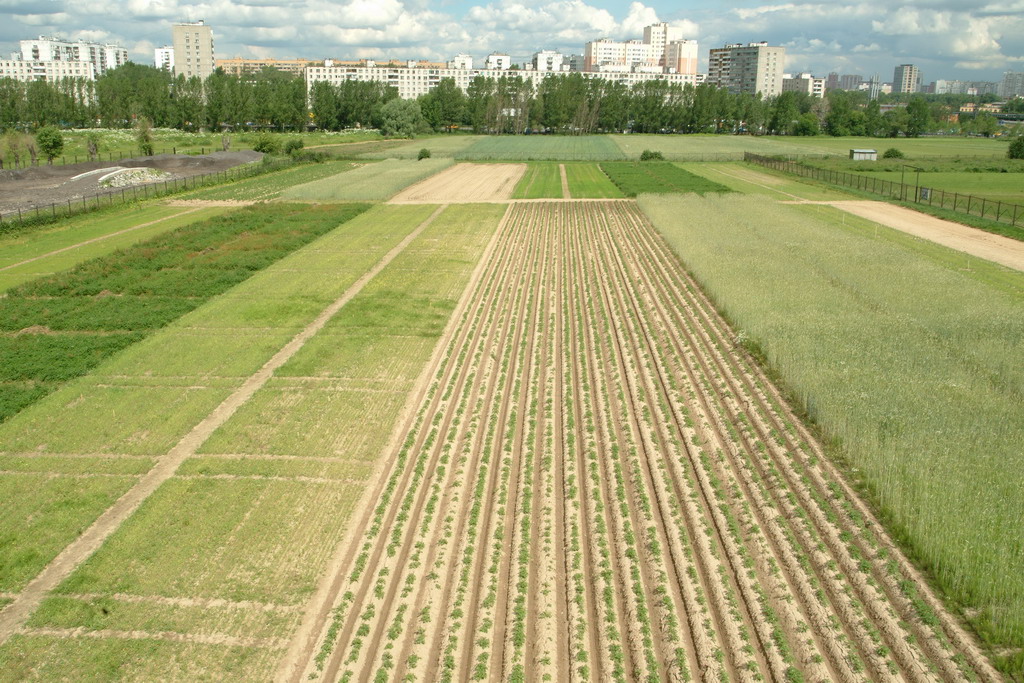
column 963, row 39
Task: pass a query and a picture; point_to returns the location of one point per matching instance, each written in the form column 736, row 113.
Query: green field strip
column 52, row 658
column 249, row 465
column 757, row 180
column 103, row 612
column 909, row 365
column 542, row 148
column 372, row 182
column 270, row 185
column 41, row 514
column 635, row 178
column 1004, row 187
column 286, row 418
column 541, row 181
column 235, row 539
column 440, row 146
column 86, row 464
column 23, row 245
column 118, row 299
column 588, row 181
column 85, row 417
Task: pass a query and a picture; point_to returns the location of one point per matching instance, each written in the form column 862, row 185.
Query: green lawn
column 270, row 185
column 439, row 146
column 541, row 181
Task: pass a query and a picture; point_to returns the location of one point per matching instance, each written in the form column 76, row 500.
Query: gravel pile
column 137, row 176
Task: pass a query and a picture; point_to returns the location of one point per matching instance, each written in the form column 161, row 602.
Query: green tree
column 806, row 124
column 323, row 104
column 1016, row 149
column 986, row 124
column 51, row 142
column 144, row 136
column 401, row 118
column 444, row 107
column 784, row 113
column 918, row 117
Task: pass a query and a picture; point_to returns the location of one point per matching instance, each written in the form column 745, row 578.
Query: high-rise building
column 193, row 49
column 497, row 61
column 906, row 78
column 1012, row 85
column 752, row 68
column 461, row 61
column 549, row 60
column 102, row 56
column 662, row 50
column 850, row 81
column 163, row 58
column 804, row 82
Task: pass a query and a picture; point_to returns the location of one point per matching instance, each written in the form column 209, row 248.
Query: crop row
column 597, row 487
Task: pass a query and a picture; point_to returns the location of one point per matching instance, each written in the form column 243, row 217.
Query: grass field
column 542, row 148
column 588, row 180
column 44, row 251
column 541, row 180
column 943, row 476
column 225, row 576
column 708, row 147
column 61, row 326
column 439, row 146
column 271, row 185
column 633, row 178
column 373, row 181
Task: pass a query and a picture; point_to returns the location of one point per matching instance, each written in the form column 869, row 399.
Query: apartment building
column 663, row 49
column 237, row 66
column 550, row 60
column 53, row 70
column 47, row 49
column 418, row 78
column 163, row 58
column 751, row 68
column 906, row 78
column 193, row 49
column 804, row 82
column 1012, row 84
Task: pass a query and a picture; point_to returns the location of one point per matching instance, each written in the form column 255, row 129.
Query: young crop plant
column 654, row 177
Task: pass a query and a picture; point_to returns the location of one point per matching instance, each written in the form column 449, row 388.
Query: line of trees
column 509, row 104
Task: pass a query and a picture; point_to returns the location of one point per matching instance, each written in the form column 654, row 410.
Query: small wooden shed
column 864, row 154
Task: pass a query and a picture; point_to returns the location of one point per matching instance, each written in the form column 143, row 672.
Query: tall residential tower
column 193, row 49
column 752, row 68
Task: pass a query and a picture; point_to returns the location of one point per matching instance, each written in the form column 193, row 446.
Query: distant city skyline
column 945, row 39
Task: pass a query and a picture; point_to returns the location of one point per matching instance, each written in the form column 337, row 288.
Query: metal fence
column 124, row 195
column 967, row 204
column 65, row 159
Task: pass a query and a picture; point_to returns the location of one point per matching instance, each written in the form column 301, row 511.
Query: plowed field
column 464, row 183
column 598, row 485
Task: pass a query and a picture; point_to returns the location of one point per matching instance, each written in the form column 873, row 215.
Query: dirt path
column 16, row 614
column 98, row 239
column 565, row 182
column 985, row 245
column 464, row 183
column 202, row 203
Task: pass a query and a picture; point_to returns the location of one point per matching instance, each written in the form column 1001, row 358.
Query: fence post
column 982, row 207
column 969, row 203
column 1015, row 207
column 999, row 208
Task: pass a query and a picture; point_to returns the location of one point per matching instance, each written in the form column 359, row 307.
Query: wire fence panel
column 982, row 207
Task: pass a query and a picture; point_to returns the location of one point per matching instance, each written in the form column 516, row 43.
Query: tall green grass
column 909, row 365
column 271, row 185
column 588, row 181
column 541, row 181
column 376, row 181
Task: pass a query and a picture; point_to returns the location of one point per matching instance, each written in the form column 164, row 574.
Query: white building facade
column 46, row 49
column 498, row 62
column 804, row 82
column 752, row 68
column 38, row 70
column 411, row 82
column 663, row 49
column 163, row 58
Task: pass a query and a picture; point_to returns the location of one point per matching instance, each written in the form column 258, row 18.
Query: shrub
column 893, row 153
column 293, row 145
column 51, row 142
column 1016, row 149
column 144, row 136
column 651, row 155
column 266, row 143
column 424, row 154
